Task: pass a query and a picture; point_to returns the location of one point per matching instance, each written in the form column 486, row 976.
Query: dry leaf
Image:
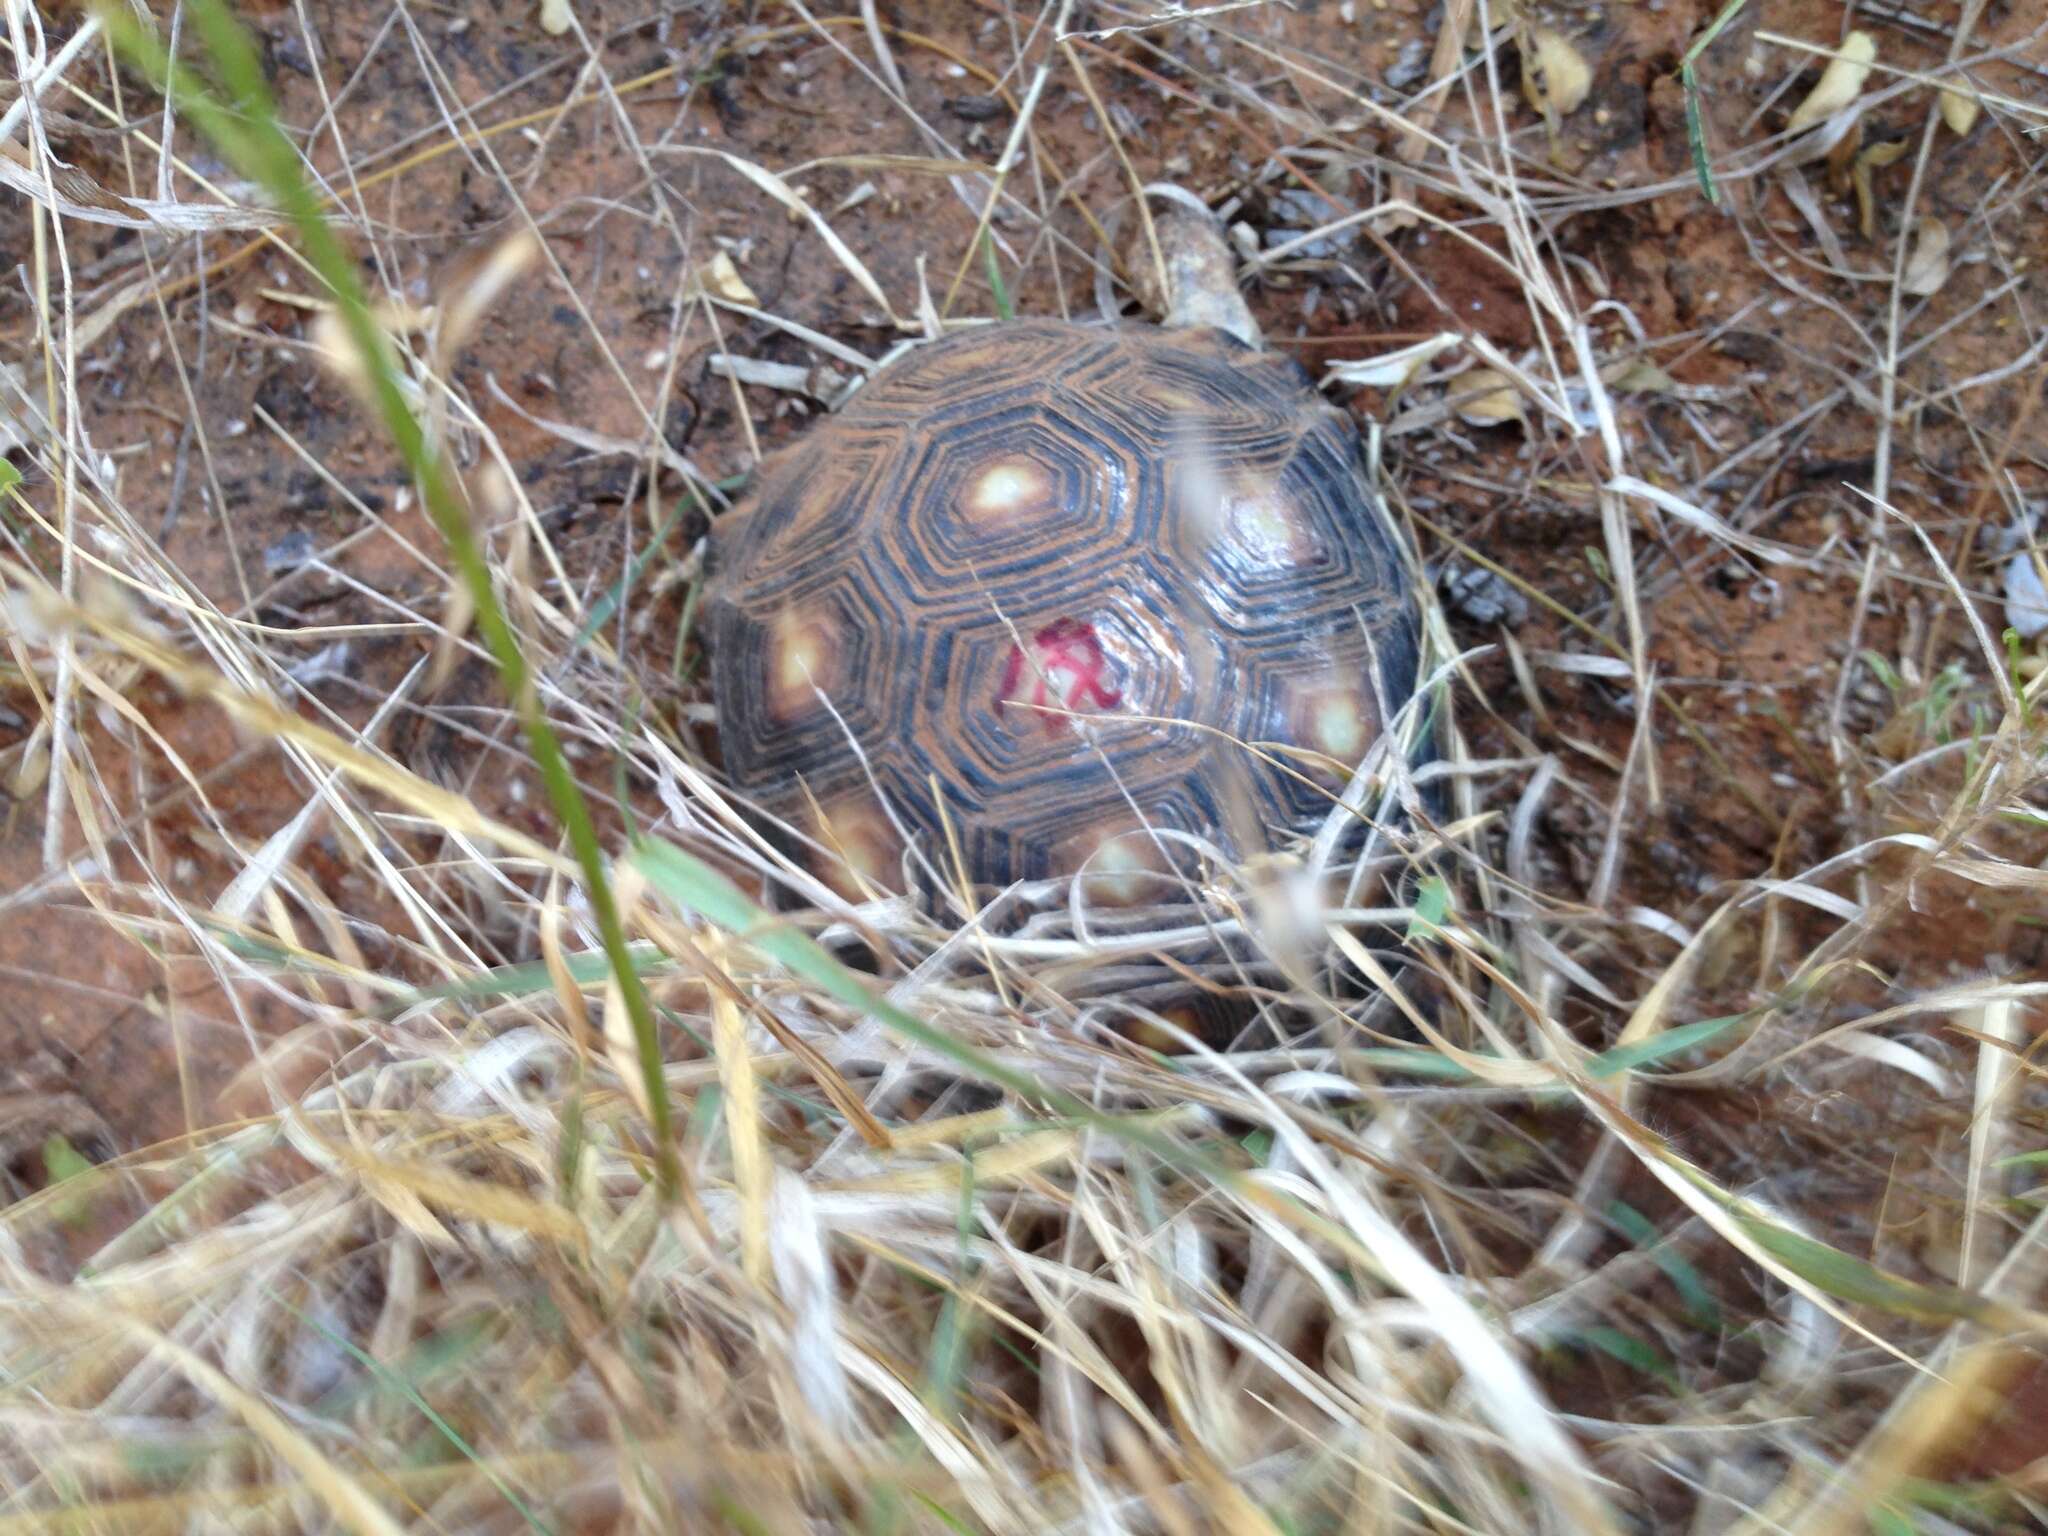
column 1840, row 83
column 1927, row 262
column 1391, row 370
column 1565, row 77
column 1959, row 109
column 1486, row 398
column 335, row 346
column 718, row 278
column 1637, row 376
column 74, row 187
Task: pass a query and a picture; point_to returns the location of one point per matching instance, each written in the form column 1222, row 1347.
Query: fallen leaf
column 32, row 771
column 1561, row 79
column 720, row 279
column 1959, row 109
column 1927, row 261
column 1480, row 22
column 1840, row 83
column 1637, row 376
column 74, row 187
column 1391, row 370
column 64, row 1162
column 1486, row 398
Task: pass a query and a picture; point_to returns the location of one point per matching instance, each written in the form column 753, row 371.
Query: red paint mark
column 1064, row 669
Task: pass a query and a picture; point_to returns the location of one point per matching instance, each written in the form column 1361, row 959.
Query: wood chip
column 820, row 382
column 1927, row 262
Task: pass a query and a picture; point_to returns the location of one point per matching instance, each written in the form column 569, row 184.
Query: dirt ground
column 1755, row 390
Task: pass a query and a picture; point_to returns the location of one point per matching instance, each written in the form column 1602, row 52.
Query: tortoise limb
column 1201, row 277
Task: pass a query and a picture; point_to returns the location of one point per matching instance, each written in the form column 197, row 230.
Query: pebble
column 1483, row 597
column 1409, row 67
column 1300, row 211
column 2026, row 600
column 295, row 549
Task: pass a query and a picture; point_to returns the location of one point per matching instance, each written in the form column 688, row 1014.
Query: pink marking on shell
column 1064, row 669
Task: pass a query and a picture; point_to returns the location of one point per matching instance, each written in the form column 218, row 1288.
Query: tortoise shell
column 1073, row 585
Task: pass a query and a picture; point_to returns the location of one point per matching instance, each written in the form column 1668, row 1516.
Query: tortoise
column 1048, row 599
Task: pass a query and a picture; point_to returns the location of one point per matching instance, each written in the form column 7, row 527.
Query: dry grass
column 1628, row 1198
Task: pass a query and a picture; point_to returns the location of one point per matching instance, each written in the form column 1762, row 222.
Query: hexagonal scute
column 772, row 658
column 1016, row 503
column 968, row 365
column 1312, row 703
column 1116, row 845
column 1053, row 579
column 809, row 513
column 1272, row 548
column 1064, row 699
column 1166, row 393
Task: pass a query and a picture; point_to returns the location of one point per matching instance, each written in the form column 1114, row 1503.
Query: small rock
column 289, row 50
column 324, row 665
column 1483, row 597
column 1409, row 68
column 2026, row 600
column 1297, row 210
column 295, row 549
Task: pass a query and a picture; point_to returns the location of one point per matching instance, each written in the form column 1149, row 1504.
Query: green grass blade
column 1432, row 905
column 1688, row 1281
column 694, row 884
column 1848, row 1278
column 1695, row 126
column 1696, row 135
column 1628, row 1349
column 995, row 278
column 946, row 1360
column 1662, row 1046
column 697, row 887
column 529, row 978
column 392, row 1381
